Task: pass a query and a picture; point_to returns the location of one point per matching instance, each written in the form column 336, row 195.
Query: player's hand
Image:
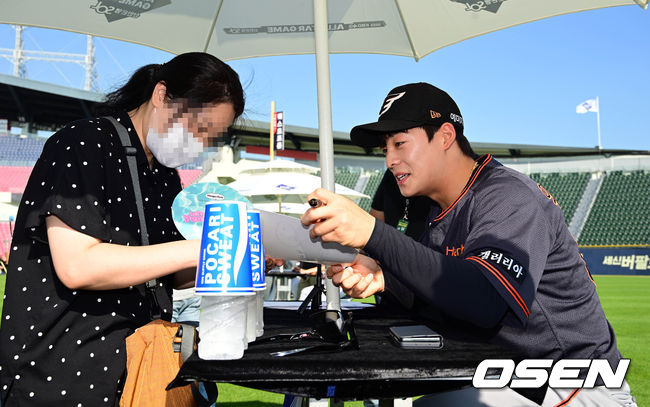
column 360, row 279
column 338, row 219
column 270, row 263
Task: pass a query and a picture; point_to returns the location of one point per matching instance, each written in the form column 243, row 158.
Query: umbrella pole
column 325, row 119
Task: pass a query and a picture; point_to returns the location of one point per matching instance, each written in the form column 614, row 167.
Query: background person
column 187, row 306
column 391, row 207
column 305, row 283
column 75, row 289
column 408, row 215
column 497, row 263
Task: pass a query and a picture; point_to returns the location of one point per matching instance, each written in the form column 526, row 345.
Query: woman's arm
column 84, row 262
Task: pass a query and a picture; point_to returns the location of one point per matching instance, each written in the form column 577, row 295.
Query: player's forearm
column 414, row 265
column 108, row 266
column 397, row 292
column 451, row 284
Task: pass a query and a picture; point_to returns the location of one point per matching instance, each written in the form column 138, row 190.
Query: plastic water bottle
column 251, row 319
column 224, row 279
column 259, row 296
column 222, row 327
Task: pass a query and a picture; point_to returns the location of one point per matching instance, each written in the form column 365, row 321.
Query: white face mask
column 175, row 147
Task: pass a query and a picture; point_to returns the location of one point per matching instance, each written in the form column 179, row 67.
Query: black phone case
column 415, row 337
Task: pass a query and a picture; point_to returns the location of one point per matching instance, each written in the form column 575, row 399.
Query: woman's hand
column 270, row 263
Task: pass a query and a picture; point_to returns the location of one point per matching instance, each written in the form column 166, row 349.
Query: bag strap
column 211, row 394
column 187, row 334
column 133, row 170
column 131, row 152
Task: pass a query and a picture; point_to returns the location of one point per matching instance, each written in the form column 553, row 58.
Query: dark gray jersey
column 513, row 232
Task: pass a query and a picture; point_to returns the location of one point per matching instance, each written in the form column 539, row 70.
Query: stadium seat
column 621, row 211
column 371, row 187
column 188, row 176
column 14, row 179
column 346, row 177
column 18, row 151
column 566, row 188
column 5, row 237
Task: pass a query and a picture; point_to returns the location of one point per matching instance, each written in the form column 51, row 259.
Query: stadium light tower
column 19, row 56
column 90, row 65
column 19, row 60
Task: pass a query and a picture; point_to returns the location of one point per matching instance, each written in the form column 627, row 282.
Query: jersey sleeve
column 68, row 181
column 509, row 240
column 452, row 285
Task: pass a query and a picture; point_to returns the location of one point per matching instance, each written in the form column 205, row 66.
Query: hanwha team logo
column 476, row 6
column 118, row 9
column 547, row 194
column 390, row 99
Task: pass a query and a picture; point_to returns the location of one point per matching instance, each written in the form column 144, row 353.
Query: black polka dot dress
column 60, row 347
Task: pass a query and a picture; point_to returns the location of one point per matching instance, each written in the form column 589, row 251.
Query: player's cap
column 408, row 106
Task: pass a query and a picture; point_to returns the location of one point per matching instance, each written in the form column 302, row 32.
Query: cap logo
column 456, row 118
column 434, row 115
column 390, row 99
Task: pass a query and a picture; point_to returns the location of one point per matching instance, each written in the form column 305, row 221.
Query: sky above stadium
column 520, row 85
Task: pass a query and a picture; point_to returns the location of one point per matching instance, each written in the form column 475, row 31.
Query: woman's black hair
column 196, row 77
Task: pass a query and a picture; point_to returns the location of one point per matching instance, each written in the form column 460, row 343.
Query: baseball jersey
column 509, row 229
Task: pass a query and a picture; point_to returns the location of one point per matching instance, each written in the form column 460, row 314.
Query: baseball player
column 496, row 262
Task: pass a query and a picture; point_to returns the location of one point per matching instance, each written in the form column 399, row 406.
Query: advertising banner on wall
column 279, row 131
column 617, row 260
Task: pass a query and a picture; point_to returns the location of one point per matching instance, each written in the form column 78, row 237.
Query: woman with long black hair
column 76, row 282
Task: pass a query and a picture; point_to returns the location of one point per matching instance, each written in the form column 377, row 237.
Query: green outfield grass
column 626, row 304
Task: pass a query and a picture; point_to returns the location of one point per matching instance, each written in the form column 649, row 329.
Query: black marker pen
column 315, row 203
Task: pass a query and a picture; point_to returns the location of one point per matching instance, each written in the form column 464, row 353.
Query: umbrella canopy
column 284, row 192
column 232, row 29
